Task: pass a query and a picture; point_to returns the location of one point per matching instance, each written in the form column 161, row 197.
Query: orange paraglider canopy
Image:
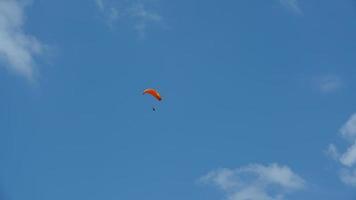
column 153, row 92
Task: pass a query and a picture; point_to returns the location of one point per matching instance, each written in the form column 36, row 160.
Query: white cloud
column 133, row 12
column 348, row 130
column 292, row 5
column 348, row 176
column 257, row 182
column 348, row 158
column 223, row 178
column 17, row 49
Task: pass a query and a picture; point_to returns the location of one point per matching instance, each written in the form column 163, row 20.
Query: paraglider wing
column 154, row 93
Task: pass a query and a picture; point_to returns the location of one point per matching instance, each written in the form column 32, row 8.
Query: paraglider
column 153, row 93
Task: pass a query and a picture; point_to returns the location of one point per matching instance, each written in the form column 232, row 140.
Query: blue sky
column 258, row 100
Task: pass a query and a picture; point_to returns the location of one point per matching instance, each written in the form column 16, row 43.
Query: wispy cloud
column 256, row 181
column 332, row 152
column 110, row 13
column 100, row 4
column 328, row 83
column 347, row 160
column 18, row 49
column 143, row 17
column 292, row 5
column 135, row 13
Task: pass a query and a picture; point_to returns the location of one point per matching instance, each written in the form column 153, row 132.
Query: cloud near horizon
column 18, row 49
column 255, row 181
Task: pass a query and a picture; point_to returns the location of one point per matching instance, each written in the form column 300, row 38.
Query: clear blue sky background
column 242, row 83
